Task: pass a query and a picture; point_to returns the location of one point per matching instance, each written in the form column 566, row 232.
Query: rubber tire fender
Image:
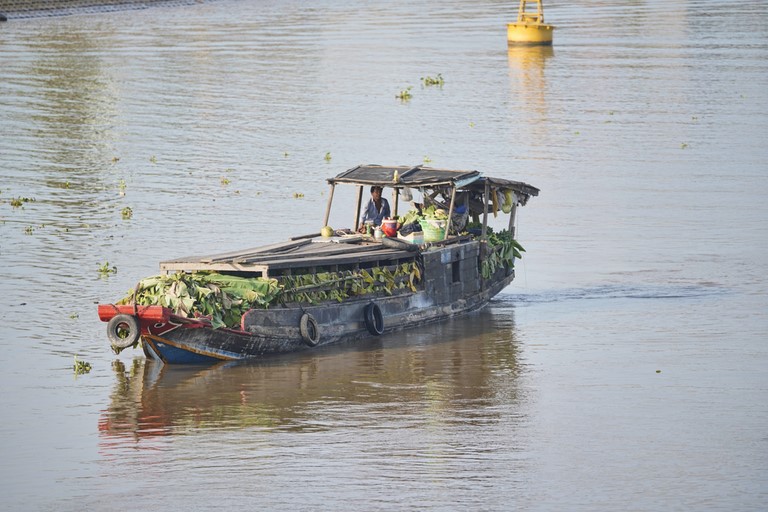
column 121, row 323
column 374, row 320
column 310, row 334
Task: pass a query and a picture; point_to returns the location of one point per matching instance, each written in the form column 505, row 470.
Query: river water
column 626, row 368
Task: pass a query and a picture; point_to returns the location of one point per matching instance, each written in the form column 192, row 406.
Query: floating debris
column 105, row 269
column 17, row 202
column 405, row 94
column 430, row 81
column 127, row 213
column 81, row 367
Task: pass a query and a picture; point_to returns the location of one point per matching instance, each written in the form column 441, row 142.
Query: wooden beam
column 330, row 250
column 197, row 266
column 396, row 196
column 373, row 256
column 512, row 218
column 357, row 210
column 278, row 247
column 328, row 208
column 485, row 210
column 450, row 213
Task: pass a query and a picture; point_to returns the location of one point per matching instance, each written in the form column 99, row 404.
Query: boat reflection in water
column 458, row 371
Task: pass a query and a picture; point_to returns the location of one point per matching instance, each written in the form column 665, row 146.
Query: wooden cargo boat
column 347, row 286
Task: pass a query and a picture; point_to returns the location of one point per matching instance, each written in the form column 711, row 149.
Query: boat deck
column 306, row 253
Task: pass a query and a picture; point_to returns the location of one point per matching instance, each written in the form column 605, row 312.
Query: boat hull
column 277, row 331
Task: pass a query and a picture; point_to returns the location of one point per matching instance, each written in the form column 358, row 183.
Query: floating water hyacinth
column 430, row 81
column 81, row 367
column 405, row 94
column 17, row 202
column 105, row 269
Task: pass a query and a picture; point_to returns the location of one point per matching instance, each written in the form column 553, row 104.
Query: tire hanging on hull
column 123, row 331
column 310, row 334
column 374, row 320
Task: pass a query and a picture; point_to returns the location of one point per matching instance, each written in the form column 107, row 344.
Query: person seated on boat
column 376, row 210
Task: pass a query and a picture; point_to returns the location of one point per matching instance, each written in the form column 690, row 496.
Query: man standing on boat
column 377, row 209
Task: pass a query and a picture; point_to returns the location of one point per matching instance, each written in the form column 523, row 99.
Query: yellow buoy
column 529, row 27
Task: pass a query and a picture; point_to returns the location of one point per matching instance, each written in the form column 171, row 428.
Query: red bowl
column 388, row 230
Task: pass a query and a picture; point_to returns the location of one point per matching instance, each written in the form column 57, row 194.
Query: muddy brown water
column 624, row 369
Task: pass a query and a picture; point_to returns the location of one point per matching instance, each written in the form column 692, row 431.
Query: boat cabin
column 464, row 196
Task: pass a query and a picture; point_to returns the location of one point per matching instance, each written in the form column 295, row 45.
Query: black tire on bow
column 374, row 320
column 310, row 333
column 123, row 331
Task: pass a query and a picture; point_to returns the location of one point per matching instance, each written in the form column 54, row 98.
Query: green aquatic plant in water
column 405, row 94
column 430, row 81
column 16, row 202
column 81, row 367
column 105, row 269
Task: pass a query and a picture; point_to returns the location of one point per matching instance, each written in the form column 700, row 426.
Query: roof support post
column 396, row 198
column 450, row 213
column 359, row 204
column 512, row 216
column 484, row 232
column 328, row 208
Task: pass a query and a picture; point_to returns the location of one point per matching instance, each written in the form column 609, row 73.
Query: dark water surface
column 625, row 369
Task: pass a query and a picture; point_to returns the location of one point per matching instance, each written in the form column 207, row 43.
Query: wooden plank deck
column 288, row 255
column 280, row 248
